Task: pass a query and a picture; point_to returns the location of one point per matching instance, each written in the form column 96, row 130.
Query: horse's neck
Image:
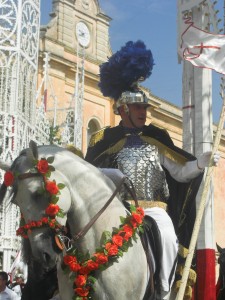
column 89, row 190
column 107, row 220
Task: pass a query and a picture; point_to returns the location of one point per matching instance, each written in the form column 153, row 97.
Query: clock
column 83, row 34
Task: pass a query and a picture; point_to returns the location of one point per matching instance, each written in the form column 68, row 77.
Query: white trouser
column 169, row 244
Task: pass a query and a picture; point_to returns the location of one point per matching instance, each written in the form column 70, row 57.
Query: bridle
column 64, row 242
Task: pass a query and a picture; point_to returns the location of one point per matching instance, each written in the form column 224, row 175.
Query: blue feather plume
column 132, row 63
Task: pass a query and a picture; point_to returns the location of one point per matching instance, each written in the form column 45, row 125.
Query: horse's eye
column 39, row 194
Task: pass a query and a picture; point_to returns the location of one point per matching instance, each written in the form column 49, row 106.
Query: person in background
column 18, row 285
column 165, row 177
column 5, row 292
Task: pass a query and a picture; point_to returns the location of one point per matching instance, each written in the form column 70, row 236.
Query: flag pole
column 209, row 173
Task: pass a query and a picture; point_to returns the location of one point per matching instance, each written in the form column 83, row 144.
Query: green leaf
column 122, row 220
column 92, row 279
column 50, row 159
column 61, row 186
column 60, row 214
column 103, row 267
column 115, row 230
column 48, row 174
column 125, row 247
column 51, row 168
column 106, row 236
column 141, row 229
column 132, row 208
column 120, row 253
column 54, row 199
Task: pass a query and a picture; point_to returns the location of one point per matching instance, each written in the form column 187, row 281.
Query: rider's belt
column 149, row 204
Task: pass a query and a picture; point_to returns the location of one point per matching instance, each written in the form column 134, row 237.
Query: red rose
column 42, row 166
column 44, row 220
column 51, row 187
column 134, row 223
column 140, row 211
column 112, row 249
column 117, row 240
column 52, row 210
column 52, row 223
column 19, row 231
column 74, row 267
column 127, row 229
column 101, row 258
column 69, row 259
column 128, row 232
column 84, row 270
column 137, row 218
column 32, row 224
column 80, row 280
column 8, row 178
column 39, row 223
column 83, row 292
column 92, row 265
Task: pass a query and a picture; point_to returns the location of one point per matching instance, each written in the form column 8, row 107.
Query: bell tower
column 77, row 38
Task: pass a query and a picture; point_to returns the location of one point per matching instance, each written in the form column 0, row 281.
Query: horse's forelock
column 16, row 167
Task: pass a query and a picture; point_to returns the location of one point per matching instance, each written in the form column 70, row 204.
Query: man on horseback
column 165, row 177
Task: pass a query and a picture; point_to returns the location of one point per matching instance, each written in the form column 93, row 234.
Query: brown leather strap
column 28, row 175
column 132, row 191
column 94, row 219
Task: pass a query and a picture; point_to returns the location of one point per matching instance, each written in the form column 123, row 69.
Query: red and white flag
column 203, row 49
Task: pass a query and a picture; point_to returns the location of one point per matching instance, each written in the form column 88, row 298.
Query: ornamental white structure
column 198, row 135
column 20, row 118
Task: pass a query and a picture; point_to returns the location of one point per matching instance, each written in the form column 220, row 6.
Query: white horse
column 86, row 191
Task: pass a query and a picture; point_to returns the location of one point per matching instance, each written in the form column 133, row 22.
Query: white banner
column 203, row 49
column 188, row 4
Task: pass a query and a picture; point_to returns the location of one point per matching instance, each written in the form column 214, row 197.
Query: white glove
column 204, row 159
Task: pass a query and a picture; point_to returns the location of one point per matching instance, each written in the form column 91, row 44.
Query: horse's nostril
column 46, row 257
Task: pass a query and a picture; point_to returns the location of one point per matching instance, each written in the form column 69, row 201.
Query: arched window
column 93, row 126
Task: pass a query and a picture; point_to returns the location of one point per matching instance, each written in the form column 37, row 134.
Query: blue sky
column 154, row 22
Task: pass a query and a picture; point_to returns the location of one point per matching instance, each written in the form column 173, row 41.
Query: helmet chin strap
column 131, row 121
column 126, row 108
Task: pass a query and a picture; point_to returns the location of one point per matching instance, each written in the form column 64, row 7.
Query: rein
column 95, row 218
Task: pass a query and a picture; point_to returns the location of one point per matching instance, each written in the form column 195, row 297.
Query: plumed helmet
column 121, row 74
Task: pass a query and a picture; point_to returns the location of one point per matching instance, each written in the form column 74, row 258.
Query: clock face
column 83, row 34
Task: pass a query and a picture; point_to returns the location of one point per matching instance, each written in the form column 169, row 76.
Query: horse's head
column 38, row 193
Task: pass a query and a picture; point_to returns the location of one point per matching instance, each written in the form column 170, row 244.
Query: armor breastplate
column 140, row 162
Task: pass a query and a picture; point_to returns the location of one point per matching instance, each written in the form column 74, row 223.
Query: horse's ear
column 32, row 152
column 5, row 165
column 219, row 248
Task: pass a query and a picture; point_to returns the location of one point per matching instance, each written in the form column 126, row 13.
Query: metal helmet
column 129, row 97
